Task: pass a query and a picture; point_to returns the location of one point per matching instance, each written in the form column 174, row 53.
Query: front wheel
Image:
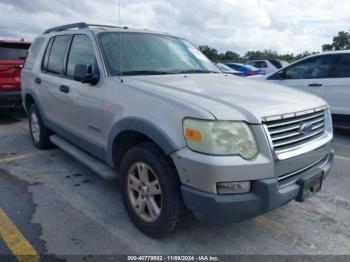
column 38, row 132
column 151, row 190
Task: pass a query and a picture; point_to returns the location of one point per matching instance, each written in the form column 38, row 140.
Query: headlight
column 220, row 137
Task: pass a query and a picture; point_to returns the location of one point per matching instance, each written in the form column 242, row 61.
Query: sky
column 286, row 26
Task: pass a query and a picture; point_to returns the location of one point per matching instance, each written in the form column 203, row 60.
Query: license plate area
column 309, row 186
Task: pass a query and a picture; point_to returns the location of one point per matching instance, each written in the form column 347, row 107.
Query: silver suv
column 151, row 109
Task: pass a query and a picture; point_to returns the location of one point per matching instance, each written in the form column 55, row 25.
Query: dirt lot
column 59, row 207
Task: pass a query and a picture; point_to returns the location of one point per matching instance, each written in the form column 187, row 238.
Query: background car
column 326, row 75
column 246, row 70
column 228, row 70
column 12, row 57
column 269, row 66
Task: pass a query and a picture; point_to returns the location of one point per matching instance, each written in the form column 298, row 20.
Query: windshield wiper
column 145, row 72
column 194, row 71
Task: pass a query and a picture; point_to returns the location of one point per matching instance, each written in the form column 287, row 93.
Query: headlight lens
column 220, row 137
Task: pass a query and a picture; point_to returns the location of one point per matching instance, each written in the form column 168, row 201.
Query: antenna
column 120, row 42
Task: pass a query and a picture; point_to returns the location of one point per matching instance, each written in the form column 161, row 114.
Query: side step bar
column 94, row 164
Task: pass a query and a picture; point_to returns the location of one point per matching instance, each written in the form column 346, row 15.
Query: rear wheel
column 38, row 132
column 151, row 190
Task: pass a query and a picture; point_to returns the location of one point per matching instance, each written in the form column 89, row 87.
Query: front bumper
column 266, row 194
column 10, row 99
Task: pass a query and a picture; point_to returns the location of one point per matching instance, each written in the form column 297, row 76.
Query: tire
column 172, row 209
column 38, row 132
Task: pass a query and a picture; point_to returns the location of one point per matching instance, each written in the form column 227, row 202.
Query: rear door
column 310, row 75
column 50, row 80
column 12, row 57
column 338, row 89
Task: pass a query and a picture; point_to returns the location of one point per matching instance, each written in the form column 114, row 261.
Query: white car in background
column 228, row 70
column 326, row 75
column 268, row 66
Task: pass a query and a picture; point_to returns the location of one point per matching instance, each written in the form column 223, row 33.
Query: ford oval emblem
column 305, row 128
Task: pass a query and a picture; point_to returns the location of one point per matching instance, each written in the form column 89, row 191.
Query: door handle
column 64, row 89
column 315, row 84
column 38, row 80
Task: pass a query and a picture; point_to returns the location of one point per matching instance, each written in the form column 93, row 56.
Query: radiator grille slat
column 287, row 133
column 297, row 119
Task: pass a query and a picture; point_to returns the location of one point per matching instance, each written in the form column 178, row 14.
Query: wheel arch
column 29, row 99
column 141, row 130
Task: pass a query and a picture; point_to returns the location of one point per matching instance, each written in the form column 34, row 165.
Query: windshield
column 148, row 54
column 13, row 51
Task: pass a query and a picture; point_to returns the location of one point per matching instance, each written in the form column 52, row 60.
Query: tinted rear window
column 33, row 53
column 57, row 54
column 13, row 51
column 341, row 66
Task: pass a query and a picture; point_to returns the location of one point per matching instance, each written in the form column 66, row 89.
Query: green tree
column 340, row 42
column 256, row 55
column 211, row 53
column 231, row 57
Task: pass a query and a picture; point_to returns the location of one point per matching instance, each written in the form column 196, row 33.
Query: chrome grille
column 288, row 132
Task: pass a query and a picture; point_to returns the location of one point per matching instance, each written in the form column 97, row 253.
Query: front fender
column 144, row 127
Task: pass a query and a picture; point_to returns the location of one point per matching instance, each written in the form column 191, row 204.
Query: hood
column 229, row 97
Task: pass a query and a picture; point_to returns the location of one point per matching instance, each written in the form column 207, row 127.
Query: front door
column 309, row 75
column 85, row 100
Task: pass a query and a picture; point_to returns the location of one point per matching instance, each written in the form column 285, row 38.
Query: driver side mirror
column 86, row 74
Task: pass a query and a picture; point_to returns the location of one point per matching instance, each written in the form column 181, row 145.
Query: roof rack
column 108, row 26
column 80, row 25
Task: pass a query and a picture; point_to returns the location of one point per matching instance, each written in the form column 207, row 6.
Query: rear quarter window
column 33, row 53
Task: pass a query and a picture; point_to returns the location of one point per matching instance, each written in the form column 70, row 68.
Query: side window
column 260, row 64
column 315, row 67
column 81, row 53
column 57, row 54
column 341, row 66
column 33, row 53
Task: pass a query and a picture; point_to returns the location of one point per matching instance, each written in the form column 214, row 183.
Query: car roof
column 337, row 52
column 334, row 52
column 239, row 64
column 96, row 28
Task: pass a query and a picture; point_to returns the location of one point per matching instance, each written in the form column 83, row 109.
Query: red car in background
column 12, row 57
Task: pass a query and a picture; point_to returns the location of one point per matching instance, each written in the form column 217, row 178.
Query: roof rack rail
column 80, row 25
column 108, row 26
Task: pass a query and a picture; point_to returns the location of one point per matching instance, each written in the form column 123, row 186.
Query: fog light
column 233, row 187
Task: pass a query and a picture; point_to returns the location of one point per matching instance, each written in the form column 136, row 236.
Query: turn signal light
column 193, row 134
